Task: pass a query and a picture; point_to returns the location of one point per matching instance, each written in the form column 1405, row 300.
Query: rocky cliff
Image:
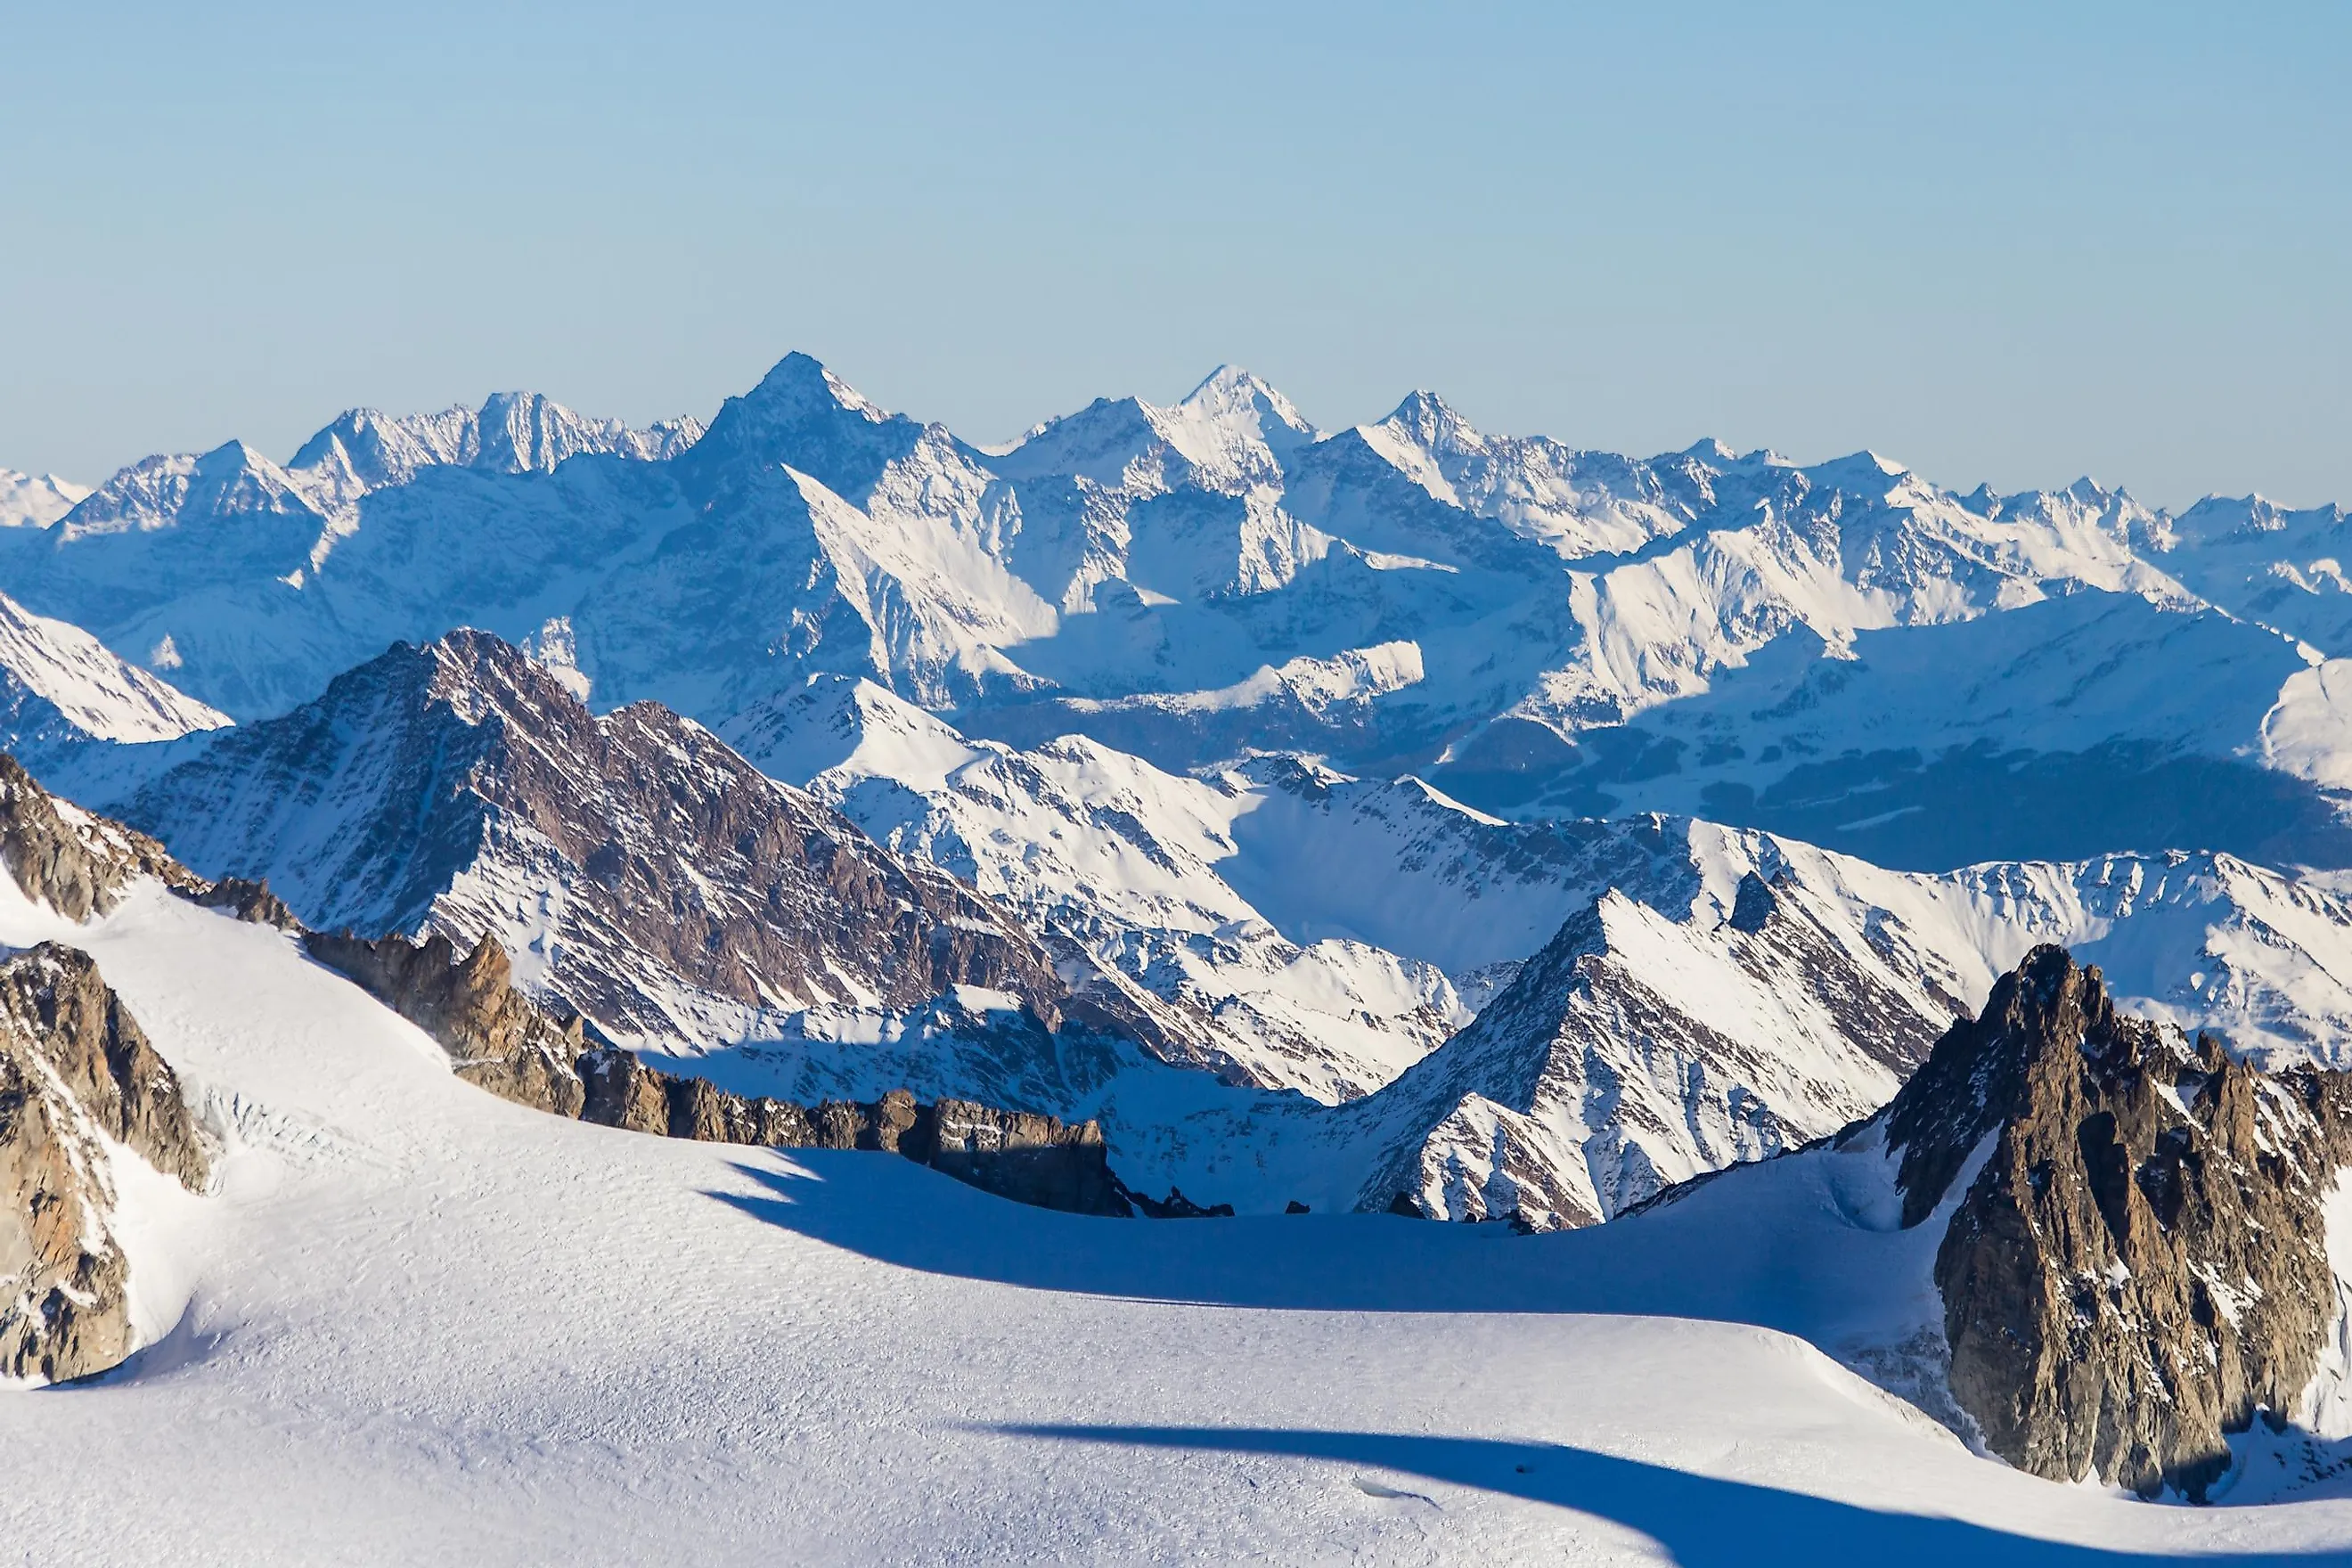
column 2138, row 1265
column 75, row 862
column 76, row 1079
column 499, row 1038
column 495, row 1037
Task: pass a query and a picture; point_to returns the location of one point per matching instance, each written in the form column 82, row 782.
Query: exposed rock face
column 74, row 1069
column 64, row 856
column 249, row 901
column 2140, row 1262
column 498, row 1039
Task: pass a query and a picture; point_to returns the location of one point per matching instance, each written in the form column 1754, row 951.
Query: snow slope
column 83, row 689
column 1705, row 994
column 82, row 719
column 1125, row 859
column 416, row 1322
column 636, row 868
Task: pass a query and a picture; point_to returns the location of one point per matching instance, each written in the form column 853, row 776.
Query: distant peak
column 1433, row 421
column 1230, row 390
column 802, row 378
column 232, row 453
column 1854, row 466
column 1226, row 381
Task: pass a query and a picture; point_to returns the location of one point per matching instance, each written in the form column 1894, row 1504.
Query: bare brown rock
column 497, row 1038
column 250, row 901
column 2139, row 1267
column 75, row 862
column 681, row 866
column 73, row 1065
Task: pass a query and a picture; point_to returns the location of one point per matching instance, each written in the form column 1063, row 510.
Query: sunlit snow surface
column 417, row 1323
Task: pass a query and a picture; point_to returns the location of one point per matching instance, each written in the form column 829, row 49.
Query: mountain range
column 1395, row 821
column 1843, row 650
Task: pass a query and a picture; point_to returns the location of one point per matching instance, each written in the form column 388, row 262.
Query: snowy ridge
column 1108, row 850
column 1548, row 629
column 642, row 874
column 510, row 432
column 66, row 675
column 1713, row 996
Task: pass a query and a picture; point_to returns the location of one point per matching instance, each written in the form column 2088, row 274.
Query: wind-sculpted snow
column 413, row 1323
column 1549, row 629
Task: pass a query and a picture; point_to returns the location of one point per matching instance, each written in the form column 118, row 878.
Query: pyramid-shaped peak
column 230, row 456
column 472, row 671
column 801, row 379
column 1978, row 1076
column 1431, row 420
column 1230, row 391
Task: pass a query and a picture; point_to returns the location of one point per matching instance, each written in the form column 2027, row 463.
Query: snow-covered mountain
column 80, row 717
column 641, row 874
column 35, row 500
column 1144, row 869
column 1537, row 628
column 1667, row 996
column 510, row 432
column 59, row 681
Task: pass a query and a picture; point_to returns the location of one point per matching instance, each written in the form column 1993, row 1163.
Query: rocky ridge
column 499, row 1039
column 2139, row 1264
column 641, row 873
column 78, row 1081
column 70, row 859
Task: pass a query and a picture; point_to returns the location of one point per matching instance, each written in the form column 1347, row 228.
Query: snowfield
column 415, row 1323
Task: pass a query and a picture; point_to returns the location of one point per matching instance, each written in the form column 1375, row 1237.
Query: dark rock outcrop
column 2138, row 1267
column 495, row 1037
column 499, row 1040
column 75, row 862
column 74, row 1065
column 250, row 901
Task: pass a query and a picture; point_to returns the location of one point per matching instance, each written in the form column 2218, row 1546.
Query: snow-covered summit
column 1236, row 428
column 510, row 432
column 35, row 500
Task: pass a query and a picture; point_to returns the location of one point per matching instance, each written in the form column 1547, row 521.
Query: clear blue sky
column 2011, row 243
